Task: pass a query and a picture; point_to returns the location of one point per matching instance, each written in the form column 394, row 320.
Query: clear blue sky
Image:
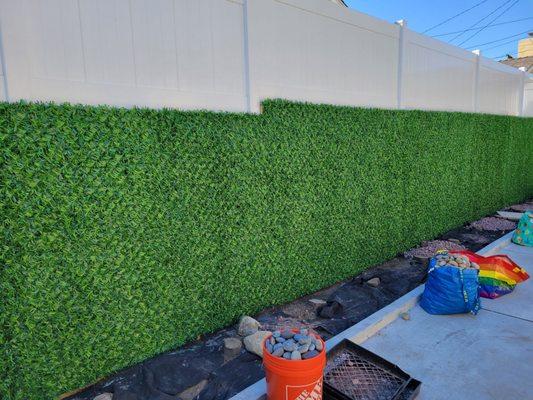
column 423, row 14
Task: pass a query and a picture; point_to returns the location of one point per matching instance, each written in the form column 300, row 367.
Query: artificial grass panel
column 129, row 232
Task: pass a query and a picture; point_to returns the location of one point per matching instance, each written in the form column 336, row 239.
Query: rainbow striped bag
column 498, row 275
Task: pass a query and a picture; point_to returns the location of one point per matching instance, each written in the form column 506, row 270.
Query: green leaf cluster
column 126, row 233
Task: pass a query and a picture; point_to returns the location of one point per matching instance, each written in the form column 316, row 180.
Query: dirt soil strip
column 201, row 371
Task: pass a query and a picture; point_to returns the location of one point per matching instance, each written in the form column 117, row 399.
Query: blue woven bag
column 450, row 290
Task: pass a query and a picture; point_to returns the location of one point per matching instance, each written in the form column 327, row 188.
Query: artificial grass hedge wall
column 128, row 232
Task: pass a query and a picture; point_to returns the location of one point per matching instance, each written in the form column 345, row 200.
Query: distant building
column 525, row 55
column 525, row 47
column 526, row 62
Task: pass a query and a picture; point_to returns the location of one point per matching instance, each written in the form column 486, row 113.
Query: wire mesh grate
column 359, row 379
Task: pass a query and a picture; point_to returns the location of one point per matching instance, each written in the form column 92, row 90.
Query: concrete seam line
column 506, row 315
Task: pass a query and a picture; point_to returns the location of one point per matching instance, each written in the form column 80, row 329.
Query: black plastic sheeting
column 356, row 300
column 166, row 376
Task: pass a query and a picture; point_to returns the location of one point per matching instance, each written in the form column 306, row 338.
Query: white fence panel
column 231, row 54
column 3, row 88
column 314, row 50
column 437, row 76
column 175, row 53
column 500, row 88
column 528, row 99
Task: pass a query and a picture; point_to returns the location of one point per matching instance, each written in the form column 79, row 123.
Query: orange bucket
column 294, row 379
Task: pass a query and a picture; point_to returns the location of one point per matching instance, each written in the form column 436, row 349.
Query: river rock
column 232, row 344
column 295, row 355
column 278, row 352
column 304, row 339
column 248, row 326
column 303, row 348
column 290, row 345
column 254, row 343
column 302, row 345
column 374, row 282
column 287, row 334
column 269, row 346
column 330, row 310
column 193, row 391
column 310, row 354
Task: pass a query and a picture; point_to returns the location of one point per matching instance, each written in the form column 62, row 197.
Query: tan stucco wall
column 525, row 47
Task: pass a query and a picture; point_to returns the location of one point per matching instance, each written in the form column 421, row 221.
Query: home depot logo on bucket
column 313, row 391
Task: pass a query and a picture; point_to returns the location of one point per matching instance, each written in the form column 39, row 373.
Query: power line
column 505, row 55
column 455, row 16
column 494, row 19
column 497, row 40
column 481, row 20
column 499, row 45
column 490, row 26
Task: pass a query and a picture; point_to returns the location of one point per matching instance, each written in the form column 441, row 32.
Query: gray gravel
column 427, row 249
column 522, row 207
column 493, row 224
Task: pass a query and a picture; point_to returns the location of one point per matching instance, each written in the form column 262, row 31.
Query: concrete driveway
column 488, row 356
column 457, row 357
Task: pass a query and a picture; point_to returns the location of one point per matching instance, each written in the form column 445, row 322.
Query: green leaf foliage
column 126, row 233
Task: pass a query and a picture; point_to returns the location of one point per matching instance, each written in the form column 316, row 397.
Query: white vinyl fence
column 528, row 100
column 231, row 54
